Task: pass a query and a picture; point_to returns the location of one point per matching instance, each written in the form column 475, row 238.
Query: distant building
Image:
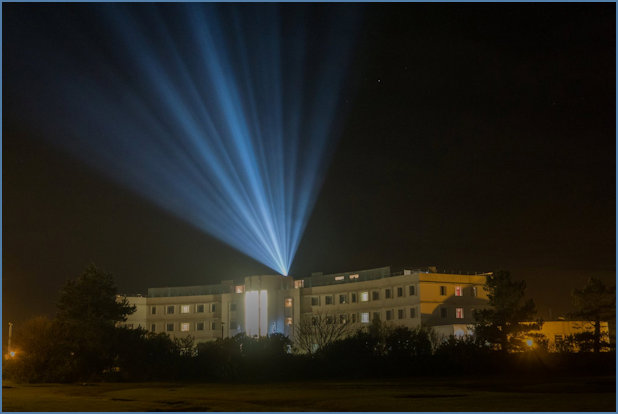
column 260, row 305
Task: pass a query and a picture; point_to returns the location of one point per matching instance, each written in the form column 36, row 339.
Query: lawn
column 417, row 394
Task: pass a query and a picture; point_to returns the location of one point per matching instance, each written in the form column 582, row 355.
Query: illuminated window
column 376, row 316
column 411, row 290
column 364, row 317
column 170, row 327
column 184, row 327
column 315, row 300
column 389, row 315
column 153, row 327
column 458, row 291
column 355, row 276
column 153, row 310
column 412, row 313
column 299, row 284
column 343, row 299
column 288, row 302
column 388, row 293
column 399, row 292
column 343, row 319
column 239, row 289
column 474, row 292
column 184, row 309
column 339, row 277
column 364, row 296
column 170, row 310
column 353, row 297
column 443, row 312
column 459, row 313
column 442, row 290
column 199, row 326
column 375, row 295
column 328, row 300
column 199, row 308
column 288, row 321
column 401, row 314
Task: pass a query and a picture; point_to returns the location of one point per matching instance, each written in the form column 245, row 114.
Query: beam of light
column 224, row 115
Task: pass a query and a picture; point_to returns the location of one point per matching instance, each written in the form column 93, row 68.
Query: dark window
column 213, row 326
column 315, row 301
column 375, row 295
column 412, row 291
column 170, row 310
column 153, row 310
column 376, row 316
column 199, row 308
column 389, row 315
column 412, row 313
column 328, row 300
column 213, row 307
column 233, row 325
column 170, row 327
column 153, row 327
column 342, row 319
column 401, row 314
column 399, row 292
column 343, row 299
column 443, row 312
column 443, row 290
column 353, row 297
column 233, row 307
column 353, row 318
column 199, row 326
column 387, row 293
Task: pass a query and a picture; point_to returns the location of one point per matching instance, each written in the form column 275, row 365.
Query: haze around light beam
column 224, row 115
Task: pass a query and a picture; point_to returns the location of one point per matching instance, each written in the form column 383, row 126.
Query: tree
column 510, row 317
column 595, row 302
column 313, row 333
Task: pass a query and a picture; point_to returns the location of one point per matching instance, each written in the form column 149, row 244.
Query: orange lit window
column 240, row 289
column 288, row 302
column 299, row 284
column 339, row 277
column 353, row 276
column 459, row 313
column 458, row 291
column 288, row 321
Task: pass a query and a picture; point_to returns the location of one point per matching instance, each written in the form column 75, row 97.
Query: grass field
column 418, row 394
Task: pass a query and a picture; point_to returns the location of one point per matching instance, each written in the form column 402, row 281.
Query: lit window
column 184, row 327
column 170, row 327
column 458, row 291
column 412, row 291
column 339, row 277
column 364, row 296
column 153, row 327
column 389, row 315
column 388, row 293
column 343, row 299
column 400, row 314
column 328, row 300
column 199, row 326
column 288, row 321
column 315, row 300
column 459, row 313
column 353, row 297
column 239, row 289
column 375, row 295
column 474, row 292
column 299, row 284
column 184, row 309
column 412, row 313
column 355, row 276
column 288, row 302
column 153, row 310
column 343, row 319
column 364, row 317
column 170, row 310
column 399, row 292
column 442, row 290
column 443, row 313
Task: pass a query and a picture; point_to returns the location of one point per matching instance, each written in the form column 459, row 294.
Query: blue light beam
column 224, row 115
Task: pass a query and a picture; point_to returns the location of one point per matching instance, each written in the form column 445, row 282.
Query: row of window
column 190, row 326
column 459, row 313
column 364, row 317
column 354, row 297
column 197, row 308
column 459, row 291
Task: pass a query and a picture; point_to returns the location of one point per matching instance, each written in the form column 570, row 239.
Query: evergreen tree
column 595, row 302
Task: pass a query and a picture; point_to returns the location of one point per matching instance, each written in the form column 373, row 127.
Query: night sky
column 474, row 138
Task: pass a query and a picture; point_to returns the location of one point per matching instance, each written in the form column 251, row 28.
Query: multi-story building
column 260, row 305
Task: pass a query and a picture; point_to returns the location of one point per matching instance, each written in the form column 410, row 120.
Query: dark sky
column 477, row 137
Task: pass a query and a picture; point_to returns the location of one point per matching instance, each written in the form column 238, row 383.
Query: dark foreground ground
column 417, row 394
